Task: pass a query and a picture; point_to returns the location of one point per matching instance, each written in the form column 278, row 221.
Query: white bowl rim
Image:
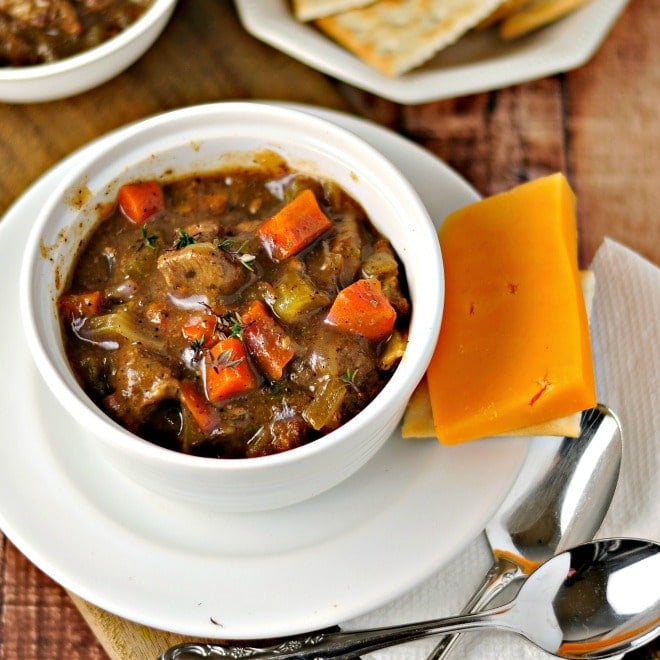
column 144, row 23
column 109, row 430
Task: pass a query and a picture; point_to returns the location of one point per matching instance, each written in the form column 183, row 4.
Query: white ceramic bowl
column 203, row 138
column 88, row 69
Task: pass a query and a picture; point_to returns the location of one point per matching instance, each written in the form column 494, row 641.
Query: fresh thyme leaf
column 349, row 378
column 231, row 324
column 183, row 239
column 224, row 360
column 246, row 259
column 276, row 387
column 198, row 344
column 149, row 239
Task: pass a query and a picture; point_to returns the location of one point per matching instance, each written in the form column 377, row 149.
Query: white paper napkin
column 626, row 340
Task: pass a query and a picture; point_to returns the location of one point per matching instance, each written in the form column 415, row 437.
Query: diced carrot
column 293, row 227
column 81, row 305
column 204, row 414
column 363, row 309
column 228, row 372
column 201, row 330
column 266, row 340
column 140, row 200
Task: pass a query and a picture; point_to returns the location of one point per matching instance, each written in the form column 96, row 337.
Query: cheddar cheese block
column 514, row 347
column 418, row 417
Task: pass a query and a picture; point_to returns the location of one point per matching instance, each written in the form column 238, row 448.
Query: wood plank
column 495, row 140
column 37, row 618
column 125, row 640
column 614, row 135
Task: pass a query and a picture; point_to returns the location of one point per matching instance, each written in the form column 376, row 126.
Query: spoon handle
column 346, row 644
column 501, row 574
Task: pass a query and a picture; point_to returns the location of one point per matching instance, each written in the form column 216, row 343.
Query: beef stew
column 235, row 314
column 39, row 31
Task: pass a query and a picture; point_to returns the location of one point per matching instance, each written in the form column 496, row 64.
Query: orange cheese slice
column 514, row 347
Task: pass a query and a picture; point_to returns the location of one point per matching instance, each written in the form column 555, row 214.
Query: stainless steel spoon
column 598, row 600
column 558, row 500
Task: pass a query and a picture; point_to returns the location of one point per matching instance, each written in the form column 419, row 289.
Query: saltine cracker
column 535, row 15
column 394, row 36
column 308, row 10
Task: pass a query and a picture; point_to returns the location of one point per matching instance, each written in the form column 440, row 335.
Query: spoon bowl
column 558, row 500
column 597, row 600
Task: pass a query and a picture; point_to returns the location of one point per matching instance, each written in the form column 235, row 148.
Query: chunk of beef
column 347, row 243
column 245, row 227
column 334, row 354
column 338, row 264
column 140, row 381
column 203, row 269
column 205, row 231
column 286, row 431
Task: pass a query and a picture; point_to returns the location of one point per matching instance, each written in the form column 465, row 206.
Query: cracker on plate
column 536, row 14
column 308, row 10
column 418, row 418
column 505, row 9
column 395, row 36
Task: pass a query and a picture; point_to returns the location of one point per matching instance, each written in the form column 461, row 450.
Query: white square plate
column 478, row 62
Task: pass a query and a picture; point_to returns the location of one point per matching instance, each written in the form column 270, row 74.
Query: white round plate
column 478, row 62
column 236, row 576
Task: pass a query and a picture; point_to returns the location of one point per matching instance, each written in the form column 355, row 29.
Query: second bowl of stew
column 52, row 50
column 236, row 300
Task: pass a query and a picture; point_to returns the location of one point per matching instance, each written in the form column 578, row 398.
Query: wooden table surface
column 599, row 124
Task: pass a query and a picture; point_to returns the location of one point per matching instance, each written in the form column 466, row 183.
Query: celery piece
column 118, row 325
column 327, row 401
column 393, row 351
column 295, row 296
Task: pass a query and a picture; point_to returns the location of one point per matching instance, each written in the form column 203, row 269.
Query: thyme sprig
column 149, row 239
column 231, row 324
column 349, row 378
column 197, row 346
column 183, row 239
column 224, row 360
column 238, row 252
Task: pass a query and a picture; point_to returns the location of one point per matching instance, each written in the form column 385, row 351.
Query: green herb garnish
column 349, row 378
column 183, row 239
column 229, row 246
column 224, row 360
column 149, row 239
column 231, row 324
